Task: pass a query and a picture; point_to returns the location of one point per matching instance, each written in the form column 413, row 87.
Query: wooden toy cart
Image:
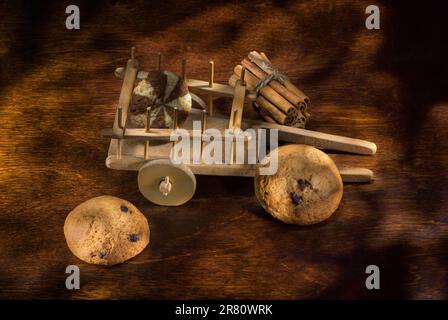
column 165, row 183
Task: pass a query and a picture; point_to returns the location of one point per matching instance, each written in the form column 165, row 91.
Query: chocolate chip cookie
column 306, row 189
column 106, row 230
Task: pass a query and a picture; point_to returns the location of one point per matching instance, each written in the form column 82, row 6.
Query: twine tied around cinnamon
column 272, row 93
column 273, row 74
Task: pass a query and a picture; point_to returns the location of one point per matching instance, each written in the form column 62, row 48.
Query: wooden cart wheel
column 167, row 184
column 306, row 189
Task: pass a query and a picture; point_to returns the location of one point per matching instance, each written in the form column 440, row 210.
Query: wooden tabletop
column 387, row 86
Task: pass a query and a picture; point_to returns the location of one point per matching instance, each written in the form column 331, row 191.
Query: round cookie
column 162, row 91
column 306, row 189
column 106, row 230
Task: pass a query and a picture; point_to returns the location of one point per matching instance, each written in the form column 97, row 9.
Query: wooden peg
column 265, row 57
column 234, row 150
column 176, row 118
column 119, row 148
column 203, row 127
column 203, row 120
column 243, row 73
column 146, row 152
column 159, row 61
column 148, row 119
column 175, row 122
column 147, row 129
column 133, row 53
column 211, row 74
column 211, row 81
column 165, row 186
column 120, row 116
column 210, row 105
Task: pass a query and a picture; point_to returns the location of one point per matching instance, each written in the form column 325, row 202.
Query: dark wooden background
column 388, row 86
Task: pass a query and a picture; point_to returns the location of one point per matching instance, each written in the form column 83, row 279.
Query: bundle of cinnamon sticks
column 276, row 98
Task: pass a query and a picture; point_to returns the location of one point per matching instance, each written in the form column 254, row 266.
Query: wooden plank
column 156, row 134
column 125, row 95
column 133, row 163
column 236, row 114
column 317, row 139
column 131, row 133
column 133, row 157
column 356, row 175
column 287, row 134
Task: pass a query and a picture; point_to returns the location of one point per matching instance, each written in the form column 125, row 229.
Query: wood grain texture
column 58, row 91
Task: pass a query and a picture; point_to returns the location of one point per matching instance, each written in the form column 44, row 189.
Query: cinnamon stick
column 277, row 86
column 258, row 59
column 298, row 124
column 269, row 109
column 279, row 116
column 265, row 57
column 274, row 113
column 269, row 93
column 301, row 119
column 266, row 116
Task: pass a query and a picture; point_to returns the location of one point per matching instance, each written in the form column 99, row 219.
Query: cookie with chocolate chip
column 306, row 189
column 162, row 91
column 106, row 230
